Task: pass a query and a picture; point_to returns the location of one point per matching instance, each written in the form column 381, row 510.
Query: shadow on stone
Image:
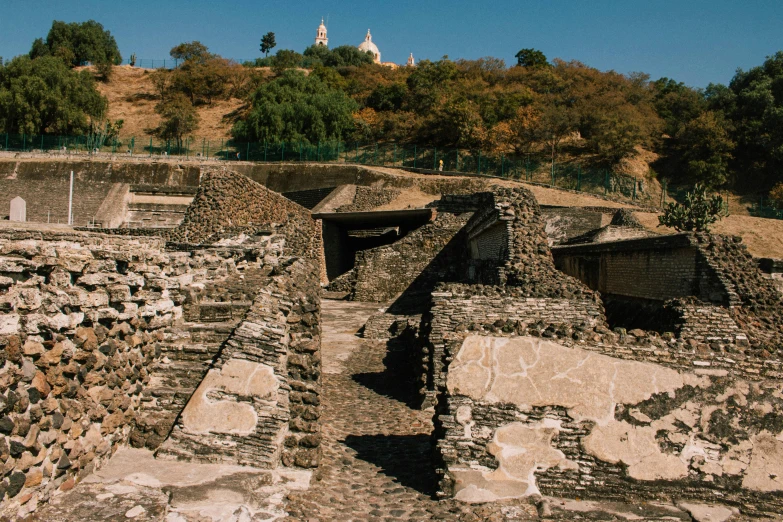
column 396, row 381
column 406, row 458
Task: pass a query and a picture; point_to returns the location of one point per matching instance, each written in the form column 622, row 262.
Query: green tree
column 179, row 118
column 753, row 105
column 676, row 104
column 428, row 83
column 347, row 56
column 531, row 58
column 697, row 214
column 268, row 43
column 316, row 54
column 285, row 59
column 388, row 97
column 44, row 96
column 104, row 71
column 78, row 43
column 704, row 148
column 295, row 107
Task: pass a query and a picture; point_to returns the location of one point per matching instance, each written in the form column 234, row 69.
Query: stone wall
column 524, row 415
column 44, row 185
column 411, row 265
column 259, row 402
column 533, row 394
column 369, row 198
column 565, row 223
column 309, row 199
column 227, row 203
column 82, row 318
column 105, row 339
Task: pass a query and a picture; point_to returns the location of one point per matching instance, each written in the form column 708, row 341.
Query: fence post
column 207, row 156
column 634, row 188
column 150, row 147
column 42, row 142
column 606, row 182
column 663, row 194
column 456, row 153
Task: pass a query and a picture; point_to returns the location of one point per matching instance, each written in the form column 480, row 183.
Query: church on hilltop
column 367, row 46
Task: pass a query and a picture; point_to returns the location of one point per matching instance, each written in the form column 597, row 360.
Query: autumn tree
column 194, row 52
column 202, row 76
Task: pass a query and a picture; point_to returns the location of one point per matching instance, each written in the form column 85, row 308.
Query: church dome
column 368, row 46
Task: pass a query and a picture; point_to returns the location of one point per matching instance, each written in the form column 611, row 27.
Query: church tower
column 320, row 37
column 411, row 61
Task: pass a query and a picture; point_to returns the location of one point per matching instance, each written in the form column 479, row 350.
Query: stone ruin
column 198, row 348
column 635, row 370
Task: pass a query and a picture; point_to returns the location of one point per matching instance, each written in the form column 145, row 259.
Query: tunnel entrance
column 346, row 233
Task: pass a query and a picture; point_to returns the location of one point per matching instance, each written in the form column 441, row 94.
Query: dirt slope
column 132, row 98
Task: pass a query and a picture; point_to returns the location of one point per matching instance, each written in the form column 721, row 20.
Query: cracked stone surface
column 136, row 486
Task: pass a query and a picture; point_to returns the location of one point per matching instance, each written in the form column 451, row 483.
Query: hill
column 132, row 98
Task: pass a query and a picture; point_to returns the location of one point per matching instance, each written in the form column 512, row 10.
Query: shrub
column 697, row 213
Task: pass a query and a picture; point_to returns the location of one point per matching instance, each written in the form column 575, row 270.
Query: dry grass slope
column 132, row 98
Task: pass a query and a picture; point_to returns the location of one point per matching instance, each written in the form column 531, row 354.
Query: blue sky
column 693, row 41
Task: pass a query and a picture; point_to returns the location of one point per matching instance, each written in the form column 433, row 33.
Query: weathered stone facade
column 534, row 394
column 109, row 339
column 83, row 316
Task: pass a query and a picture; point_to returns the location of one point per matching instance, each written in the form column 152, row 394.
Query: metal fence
column 165, row 63
column 531, row 168
column 767, row 208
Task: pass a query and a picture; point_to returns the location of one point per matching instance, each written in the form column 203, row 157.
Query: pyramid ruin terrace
column 289, row 342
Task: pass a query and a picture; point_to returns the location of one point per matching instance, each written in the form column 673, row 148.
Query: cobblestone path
column 377, row 461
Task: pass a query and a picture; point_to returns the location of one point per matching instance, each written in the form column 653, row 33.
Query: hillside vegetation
column 547, row 112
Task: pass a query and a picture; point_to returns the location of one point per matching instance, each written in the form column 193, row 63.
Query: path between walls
column 377, row 463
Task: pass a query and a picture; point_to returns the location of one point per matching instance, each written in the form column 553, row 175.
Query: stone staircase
column 187, row 351
column 157, row 207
